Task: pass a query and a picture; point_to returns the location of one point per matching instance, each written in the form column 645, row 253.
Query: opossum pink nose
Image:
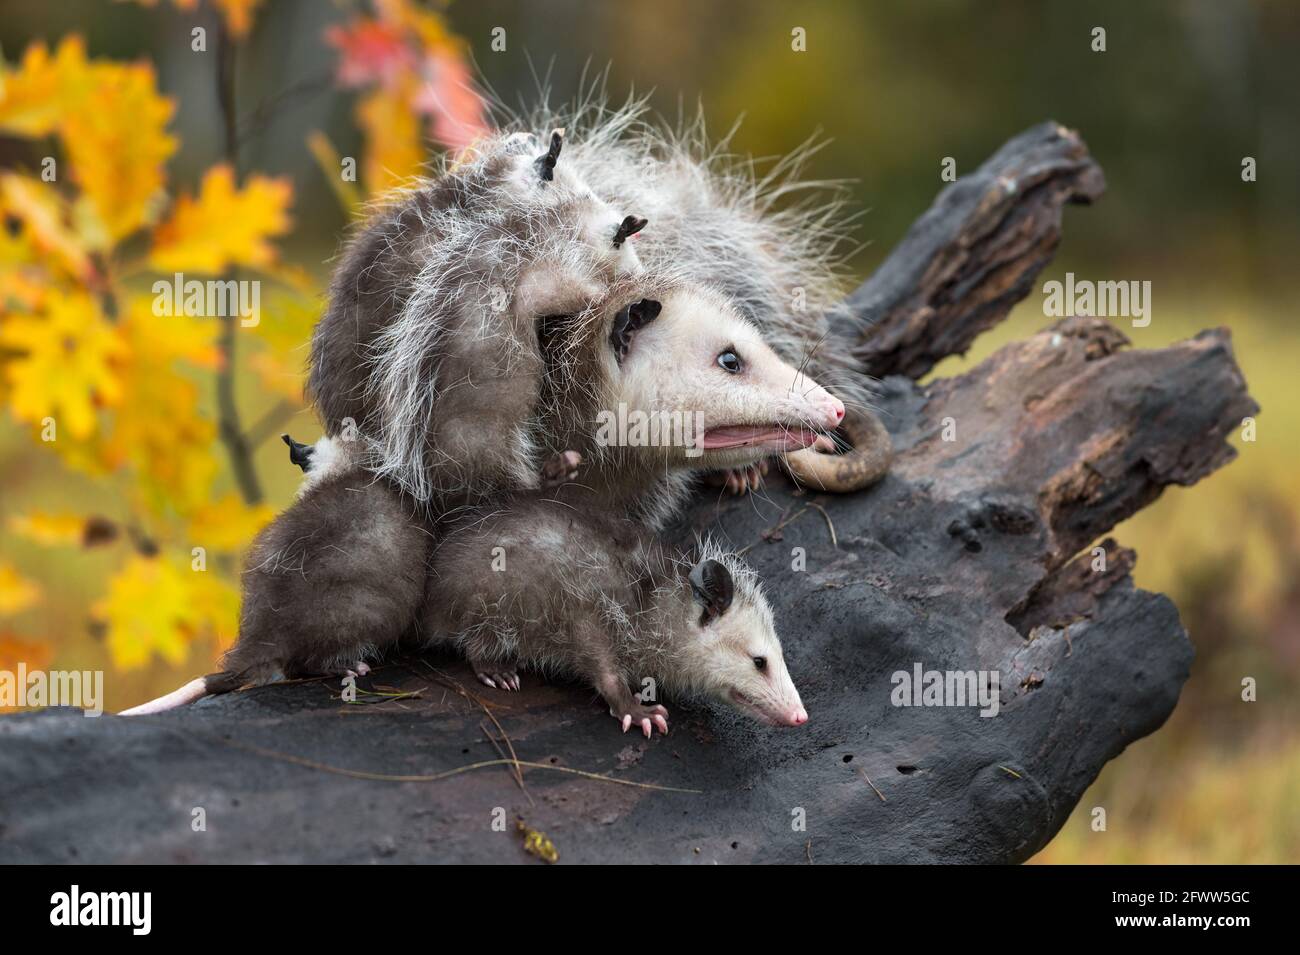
column 799, row 716
column 833, row 411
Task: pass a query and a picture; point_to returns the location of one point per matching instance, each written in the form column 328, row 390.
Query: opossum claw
column 647, row 717
column 496, row 674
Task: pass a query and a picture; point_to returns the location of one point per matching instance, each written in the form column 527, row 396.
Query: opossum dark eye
column 760, row 663
column 626, row 323
column 730, row 362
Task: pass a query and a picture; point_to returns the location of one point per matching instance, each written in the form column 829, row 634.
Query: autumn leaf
column 67, row 363
column 44, row 89
column 228, row 524
column 15, row 651
column 284, row 332
column 394, row 141
column 118, row 146
column 223, row 225
column 238, row 15
column 16, row 592
column 171, row 453
column 47, row 224
column 149, row 610
column 51, row 530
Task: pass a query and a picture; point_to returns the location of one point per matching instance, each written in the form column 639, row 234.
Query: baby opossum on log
column 542, row 584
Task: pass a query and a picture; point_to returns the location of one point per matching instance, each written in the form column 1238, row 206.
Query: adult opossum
column 544, row 580
column 431, row 350
column 717, row 223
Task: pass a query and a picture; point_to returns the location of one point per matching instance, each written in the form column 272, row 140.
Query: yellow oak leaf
column 149, row 609
column 118, row 147
column 227, row 524
column 52, row 530
column 159, row 428
column 47, row 223
column 35, row 97
column 66, row 366
column 394, row 140
column 223, row 225
column 284, row 331
column 16, row 592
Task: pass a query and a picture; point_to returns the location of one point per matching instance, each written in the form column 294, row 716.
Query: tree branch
column 228, row 420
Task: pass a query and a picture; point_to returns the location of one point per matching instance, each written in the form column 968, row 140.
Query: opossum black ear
column 713, row 588
column 627, row 321
column 629, row 227
column 299, row 454
column 545, row 163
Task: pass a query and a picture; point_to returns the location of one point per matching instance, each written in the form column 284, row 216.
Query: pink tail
column 194, row 690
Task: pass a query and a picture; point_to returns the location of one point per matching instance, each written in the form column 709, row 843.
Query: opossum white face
column 732, row 648
column 689, row 356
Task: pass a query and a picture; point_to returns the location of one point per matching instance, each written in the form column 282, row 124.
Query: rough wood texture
column 967, row 557
column 973, row 255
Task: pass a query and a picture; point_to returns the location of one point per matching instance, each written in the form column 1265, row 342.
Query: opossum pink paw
column 646, row 717
column 362, row 667
column 560, row 468
column 744, row 480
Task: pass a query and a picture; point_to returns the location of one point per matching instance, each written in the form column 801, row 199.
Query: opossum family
column 477, row 328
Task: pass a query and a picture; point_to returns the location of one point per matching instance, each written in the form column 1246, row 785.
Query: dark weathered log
column 973, row 255
column 966, row 557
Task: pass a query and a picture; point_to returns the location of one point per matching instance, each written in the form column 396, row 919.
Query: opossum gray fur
column 566, row 590
column 716, row 222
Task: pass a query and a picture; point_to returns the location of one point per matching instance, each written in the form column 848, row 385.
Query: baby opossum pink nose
column 799, row 716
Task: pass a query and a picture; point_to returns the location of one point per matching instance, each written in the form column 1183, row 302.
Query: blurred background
column 224, row 162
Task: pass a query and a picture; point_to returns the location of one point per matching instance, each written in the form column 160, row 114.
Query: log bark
column 975, row 554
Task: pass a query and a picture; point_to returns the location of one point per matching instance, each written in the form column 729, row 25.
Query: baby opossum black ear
column 299, row 454
column 545, row 163
column 629, row 227
column 627, row 321
column 713, row 588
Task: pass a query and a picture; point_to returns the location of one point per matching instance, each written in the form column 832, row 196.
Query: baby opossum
column 539, row 583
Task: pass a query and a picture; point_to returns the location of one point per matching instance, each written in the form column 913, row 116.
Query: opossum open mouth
column 773, row 436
